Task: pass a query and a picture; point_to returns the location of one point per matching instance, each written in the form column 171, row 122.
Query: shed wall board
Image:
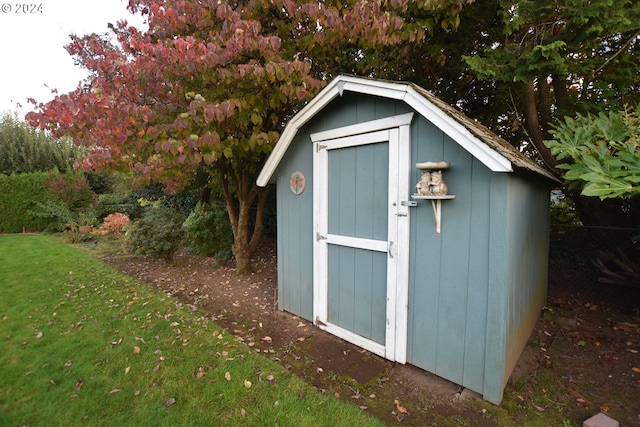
column 496, row 298
column 295, row 233
column 527, row 253
column 449, row 271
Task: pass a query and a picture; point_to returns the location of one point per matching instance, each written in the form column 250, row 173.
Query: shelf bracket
column 437, row 213
column 436, row 204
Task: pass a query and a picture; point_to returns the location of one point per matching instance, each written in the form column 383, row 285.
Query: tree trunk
column 245, row 240
column 533, row 125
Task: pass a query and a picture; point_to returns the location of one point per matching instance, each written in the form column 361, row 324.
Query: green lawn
column 83, row 345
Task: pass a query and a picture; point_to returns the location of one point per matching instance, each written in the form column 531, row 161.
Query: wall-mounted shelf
column 436, row 204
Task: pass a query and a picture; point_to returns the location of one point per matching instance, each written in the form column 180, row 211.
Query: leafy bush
column 209, row 232
column 158, row 232
column 114, row 223
column 61, row 218
column 72, row 189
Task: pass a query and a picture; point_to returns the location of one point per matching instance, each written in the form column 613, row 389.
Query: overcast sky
column 32, row 52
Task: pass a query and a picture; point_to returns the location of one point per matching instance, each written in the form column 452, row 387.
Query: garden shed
column 410, row 230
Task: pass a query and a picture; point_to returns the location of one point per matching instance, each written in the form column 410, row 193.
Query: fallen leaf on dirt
column 582, row 403
column 200, row 372
column 401, row 409
column 227, row 376
column 267, row 339
column 364, row 407
column 247, row 384
column 169, row 401
column 78, row 385
column 539, row 408
column 320, row 370
column 636, row 370
column 336, row 395
column 136, row 350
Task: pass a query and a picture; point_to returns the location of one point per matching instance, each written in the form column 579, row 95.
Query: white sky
column 32, row 52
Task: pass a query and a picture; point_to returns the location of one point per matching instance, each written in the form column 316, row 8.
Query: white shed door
column 361, row 245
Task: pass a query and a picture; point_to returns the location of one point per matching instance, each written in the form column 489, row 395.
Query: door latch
column 409, row 203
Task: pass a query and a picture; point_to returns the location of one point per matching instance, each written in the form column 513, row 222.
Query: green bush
column 20, row 195
column 209, row 232
column 158, row 232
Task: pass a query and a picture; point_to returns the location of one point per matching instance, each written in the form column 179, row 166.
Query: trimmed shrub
column 159, row 232
column 20, row 195
column 209, row 232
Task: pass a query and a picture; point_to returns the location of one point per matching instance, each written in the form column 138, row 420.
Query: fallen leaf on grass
column 127, row 369
column 78, row 385
column 136, row 350
column 115, row 390
column 39, row 335
column 401, row 409
column 227, row 376
column 247, row 384
column 243, row 413
column 200, row 372
column 68, row 363
column 169, row 401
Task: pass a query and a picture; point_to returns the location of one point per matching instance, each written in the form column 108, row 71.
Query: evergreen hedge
column 20, row 195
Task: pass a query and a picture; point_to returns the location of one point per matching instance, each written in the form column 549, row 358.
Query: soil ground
column 582, row 357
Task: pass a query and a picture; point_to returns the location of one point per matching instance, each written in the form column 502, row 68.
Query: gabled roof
column 494, row 152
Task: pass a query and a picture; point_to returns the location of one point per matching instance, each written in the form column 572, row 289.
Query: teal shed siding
column 474, row 291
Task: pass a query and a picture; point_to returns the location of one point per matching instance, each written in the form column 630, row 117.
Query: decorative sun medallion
column 297, row 182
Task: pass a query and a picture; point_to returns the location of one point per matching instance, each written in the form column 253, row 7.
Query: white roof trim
column 459, row 132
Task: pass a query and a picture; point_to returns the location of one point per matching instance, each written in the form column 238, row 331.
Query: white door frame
column 396, row 131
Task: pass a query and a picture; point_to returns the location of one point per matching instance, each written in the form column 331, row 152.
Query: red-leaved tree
column 211, row 84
